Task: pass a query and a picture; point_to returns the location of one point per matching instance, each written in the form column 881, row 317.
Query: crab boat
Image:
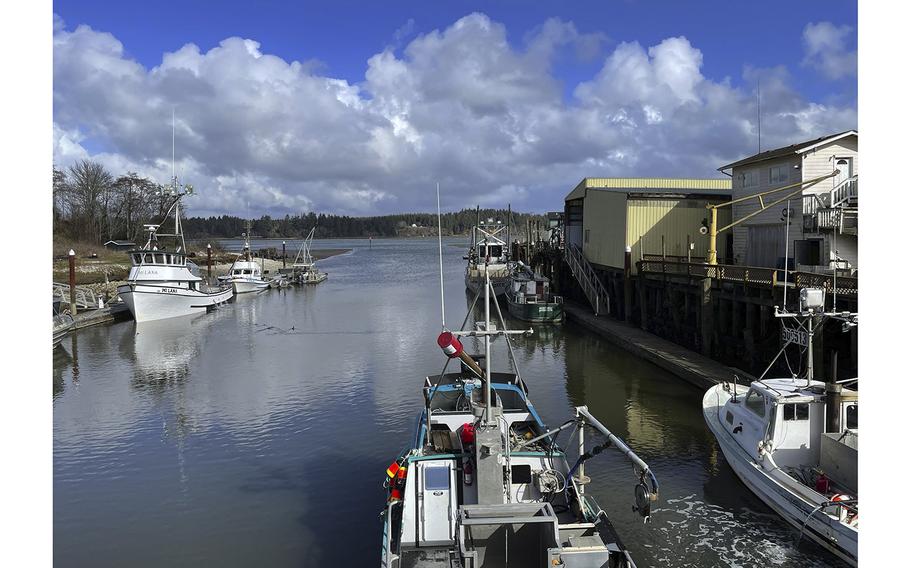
column 485, row 483
column 528, row 297
column 488, row 253
column 794, row 441
column 161, row 283
column 245, row 274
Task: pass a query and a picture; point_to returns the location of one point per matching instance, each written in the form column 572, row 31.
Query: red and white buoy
column 453, row 348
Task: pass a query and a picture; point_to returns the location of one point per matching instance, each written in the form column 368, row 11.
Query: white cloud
column 460, row 105
column 826, row 49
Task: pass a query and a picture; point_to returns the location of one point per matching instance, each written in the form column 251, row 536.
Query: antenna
column 173, row 148
column 442, row 295
column 759, row 116
column 786, row 250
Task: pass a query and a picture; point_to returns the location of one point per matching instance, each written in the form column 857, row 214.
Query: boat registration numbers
column 169, row 290
column 796, row 336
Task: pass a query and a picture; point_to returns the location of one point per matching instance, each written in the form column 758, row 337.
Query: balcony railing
column 834, row 210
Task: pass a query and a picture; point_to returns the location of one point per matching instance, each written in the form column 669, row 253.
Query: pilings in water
column 724, row 312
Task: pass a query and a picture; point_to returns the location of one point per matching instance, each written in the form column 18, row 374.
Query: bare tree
column 90, row 186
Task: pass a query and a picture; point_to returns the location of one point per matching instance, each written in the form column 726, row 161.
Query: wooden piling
column 72, row 259
column 284, row 255
column 208, row 252
column 627, row 285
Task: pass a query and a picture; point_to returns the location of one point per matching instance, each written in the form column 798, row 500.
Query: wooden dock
column 688, row 365
column 107, row 314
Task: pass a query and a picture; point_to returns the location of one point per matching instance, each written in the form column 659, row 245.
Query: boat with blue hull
column 484, row 482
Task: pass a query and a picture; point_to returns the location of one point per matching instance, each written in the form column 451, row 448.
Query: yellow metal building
column 651, row 215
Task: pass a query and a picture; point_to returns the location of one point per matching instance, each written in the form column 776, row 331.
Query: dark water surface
column 259, row 434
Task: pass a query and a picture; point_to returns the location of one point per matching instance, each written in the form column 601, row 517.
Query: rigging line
column 442, row 296
column 508, row 341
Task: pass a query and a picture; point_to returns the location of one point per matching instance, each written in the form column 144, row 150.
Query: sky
column 361, row 107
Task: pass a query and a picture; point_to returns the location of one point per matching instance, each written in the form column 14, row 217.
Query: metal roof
column 787, row 150
column 721, row 187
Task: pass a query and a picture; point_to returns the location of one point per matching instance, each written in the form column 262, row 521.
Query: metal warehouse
column 652, row 216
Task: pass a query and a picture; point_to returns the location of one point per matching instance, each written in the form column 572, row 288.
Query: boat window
column 436, row 478
column 729, row 417
column 137, row 258
column 798, row 411
column 246, row 270
column 159, row 258
column 148, row 259
column 494, row 251
column 853, row 417
column 755, row 402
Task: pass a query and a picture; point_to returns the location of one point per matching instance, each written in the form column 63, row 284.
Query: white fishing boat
column 160, row 283
column 488, row 254
column 794, row 441
column 245, row 274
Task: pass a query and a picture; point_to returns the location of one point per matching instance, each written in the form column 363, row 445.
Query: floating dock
column 108, row 314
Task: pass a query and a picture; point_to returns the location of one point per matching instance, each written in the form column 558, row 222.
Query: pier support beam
column 627, row 285
column 706, row 317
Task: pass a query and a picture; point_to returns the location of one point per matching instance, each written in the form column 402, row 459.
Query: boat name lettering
column 169, row 290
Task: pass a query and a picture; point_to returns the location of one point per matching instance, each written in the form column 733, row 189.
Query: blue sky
column 713, row 52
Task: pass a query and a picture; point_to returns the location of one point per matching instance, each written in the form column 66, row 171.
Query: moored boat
column 304, row 270
column 488, row 254
column 794, row 441
column 245, row 274
column 529, row 299
column 160, row 284
column 484, row 481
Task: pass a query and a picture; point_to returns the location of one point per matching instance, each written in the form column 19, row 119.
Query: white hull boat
column 245, row 274
column 162, row 283
column 794, row 443
column 154, row 302
column 488, row 253
column 247, row 285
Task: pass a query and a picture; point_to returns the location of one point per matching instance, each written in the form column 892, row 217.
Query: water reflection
column 163, row 350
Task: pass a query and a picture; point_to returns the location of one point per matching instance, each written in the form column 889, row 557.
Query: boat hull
column 801, row 513
column 245, row 286
column 536, row 313
column 152, row 302
column 475, row 284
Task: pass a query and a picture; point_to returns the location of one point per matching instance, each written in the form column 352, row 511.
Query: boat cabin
column 791, row 415
column 157, row 257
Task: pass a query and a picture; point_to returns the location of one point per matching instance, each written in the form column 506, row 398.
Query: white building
column 823, row 217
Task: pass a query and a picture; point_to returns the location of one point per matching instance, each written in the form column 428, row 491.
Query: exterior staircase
column 837, row 210
column 588, row 280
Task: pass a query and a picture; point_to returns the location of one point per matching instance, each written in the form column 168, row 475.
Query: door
column 765, row 245
column 845, row 167
column 437, row 495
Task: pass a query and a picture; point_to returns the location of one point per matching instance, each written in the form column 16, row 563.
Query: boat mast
column 487, row 389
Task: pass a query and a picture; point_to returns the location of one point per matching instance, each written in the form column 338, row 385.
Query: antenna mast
column 759, row 116
column 442, row 295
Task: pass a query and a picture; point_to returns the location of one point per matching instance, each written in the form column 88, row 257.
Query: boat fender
column 467, row 434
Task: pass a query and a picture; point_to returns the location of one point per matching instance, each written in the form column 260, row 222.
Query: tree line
column 92, row 205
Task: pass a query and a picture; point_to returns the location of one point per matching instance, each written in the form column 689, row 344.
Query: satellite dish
column 703, row 230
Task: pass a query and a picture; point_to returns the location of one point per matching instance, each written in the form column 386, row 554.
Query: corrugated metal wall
column 605, row 227
column 652, row 222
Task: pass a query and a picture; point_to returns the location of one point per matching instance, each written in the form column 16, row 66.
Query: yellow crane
column 713, row 231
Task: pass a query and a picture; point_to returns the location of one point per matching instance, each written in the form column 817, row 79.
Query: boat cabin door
column 437, row 501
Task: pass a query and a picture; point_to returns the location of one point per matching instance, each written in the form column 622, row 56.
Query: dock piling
column 72, row 259
column 208, row 252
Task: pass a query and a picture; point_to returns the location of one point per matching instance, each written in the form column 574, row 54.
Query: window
column 779, row 174
column 159, row 258
column 729, row 417
column 495, row 251
column 137, row 258
column 798, row 411
column 246, row 271
column 755, row 402
column 750, row 178
column 853, row 417
column 437, row 478
column 587, row 235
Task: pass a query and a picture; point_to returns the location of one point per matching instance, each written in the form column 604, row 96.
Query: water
column 259, row 434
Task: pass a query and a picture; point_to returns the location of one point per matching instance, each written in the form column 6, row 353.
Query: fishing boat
column 160, row 283
column 528, row 296
column 488, row 254
column 794, row 441
column 304, row 270
column 245, row 274
column 485, row 483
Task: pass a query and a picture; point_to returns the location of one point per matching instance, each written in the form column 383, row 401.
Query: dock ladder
column 588, row 280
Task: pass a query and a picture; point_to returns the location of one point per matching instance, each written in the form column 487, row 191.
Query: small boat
column 794, row 441
column 161, row 283
column 63, row 325
column 304, row 270
column 488, row 253
column 245, row 274
column 483, row 481
column 528, row 297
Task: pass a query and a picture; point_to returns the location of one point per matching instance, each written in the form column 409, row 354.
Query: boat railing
column 389, row 560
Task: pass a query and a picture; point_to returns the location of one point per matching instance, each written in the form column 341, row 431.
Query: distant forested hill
column 328, row 226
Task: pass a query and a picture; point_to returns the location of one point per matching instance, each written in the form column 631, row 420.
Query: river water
column 259, row 434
